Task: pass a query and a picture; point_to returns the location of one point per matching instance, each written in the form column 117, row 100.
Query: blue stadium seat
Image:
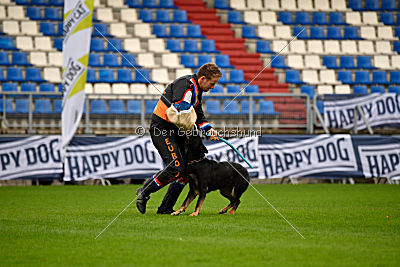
column 334, row 33
column 218, row 89
column 364, row 62
column 128, row 60
column 278, row 62
column 96, row 45
column 194, row 31
column 303, row 18
column 60, row 31
column 293, row 76
column 33, row 75
column 160, row 30
column 345, row 77
column 22, row 106
column 300, row 32
column 252, row 89
column 394, row 89
column 360, row 90
column 246, row 107
column 394, row 77
column 143, row 76
column 43, row 106
column 347, row 62
column 47, row 88
column 213, row 107
column 317, row 32
column 52, row 13
column 362, row 77
column 379, row 77
column 149, row 4
column 308, row 89
column 150, row 105
column 330, row 62
column 233, row 89
column 351, row 33
column 191, row 46
column 57, row 106
column 7, row 43
column 208, row 46
column 91, row 76
column 48, row 28
column 356, row 5
column 263, row 46
column 34, row 13
column 336, row 18
column 115, row 45
column 223, row 79
column 10, row 87
column 320, row 18
column 94, row 60
column 57, row 2
column 146, row 15
column 14, row 74
column 267, row 107
column 2, row 78
column 167, row 4
column 28, row 87
column 180, row 16
column 134, row 107
column 98, row 107
column 203, row 59
column 286, row 17
column 133, row 3
column 231, row 107
column 387, row 18
column 249, row 32
column 396, row 45
column 4, row 59
column 236, row 76
column 320, row 107
column 389, row 5
column 223, row 61
column 378, row 89
column 106, row 76
column 372, row 5
column 177, row 31
column 58, row 44
column 100, row 30
column 20, row 58
column 188, row 61
column 397, row 32
column 23, row 2
column 222, row 4
column 9, row 106
column 39, row 2
column 117, row 107
column 111, row 60
column 235, row 17
column 124, row 76
column 174, row 45
column 163, row 16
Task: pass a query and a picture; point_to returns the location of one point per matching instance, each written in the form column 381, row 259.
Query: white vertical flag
column 76, row 46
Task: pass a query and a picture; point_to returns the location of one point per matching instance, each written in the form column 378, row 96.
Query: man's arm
column 203, row 124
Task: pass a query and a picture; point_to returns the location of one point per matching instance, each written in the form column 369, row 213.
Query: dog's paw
column 176, row 213
column 194, row 214
column 231, row 212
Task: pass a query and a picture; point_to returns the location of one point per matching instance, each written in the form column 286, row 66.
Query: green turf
column 342, row 224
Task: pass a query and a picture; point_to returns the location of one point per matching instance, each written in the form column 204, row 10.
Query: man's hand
column 213, row 135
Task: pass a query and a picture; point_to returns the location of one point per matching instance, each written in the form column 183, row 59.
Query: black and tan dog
column 205, row 175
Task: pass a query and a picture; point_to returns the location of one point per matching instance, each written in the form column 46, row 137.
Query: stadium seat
column 111, row 60
column 293, row 76
column 149, row 4
column 47, row 88
column 395, row 77
column 7, row 43
column 124, row 76
column 98, row 107
column 48, row 28
column 246, row 107
column 14, row 74
column 303, row 18
column 91, row 76
column 191, row 46
column 117, row 107
column 128, row 60
column 177, row 31
column 345, row 77
column 180, row 16
column 336, row 18
column 317, row 33
column 58, row 44
column 194, row 31
column 146, row 15
column 203, row 59
column 360, row 90
column 4, row 59
column 379, row 77
column 52, row 13
column 34, row 13
column 150, row 105
column 319, row 18
column 236, row 76
column 133, row 3
column 364, row 62
column 222, row 4
column 308, row 89
column 233, row 89
column 100, row 30
column 94, row 60
column 362, row 77
column 235, row 17
column 334, row 33
column 249, row 32
column 188, row 61
column 174, row 45
column 351, row 33
column 396, row 46
column 208, row 46
column 263, row 46
column 300, row 32
column 372, row 5
column 394, row 89
column 356, row 5
column 347, row 62
column 387, row 18
column 378, row 89
column 97, row 45
column 43, row 106
column 213, row 107
column 320, row 107
column 8, row 106
column 231, row 107
column 252, row 89
column 278, row 62
column 223, row 61
column 22, row 106
column 106, row 76
column 286, row 18
column 142, row 76
column 134, row 107
column 389, row 5
column 330, row 62
column 115, row 45
column 163, row 16
column 267, row 108
column 160, row 30
column 20, row 58
column 312, row 62
column 28, row 87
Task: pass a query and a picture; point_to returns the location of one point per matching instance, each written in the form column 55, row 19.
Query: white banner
column 323, row 153
column 247, row 146
column 123, row 157
column 379, row 109
column 77, row 28
column 380, row 160
column 29, row 157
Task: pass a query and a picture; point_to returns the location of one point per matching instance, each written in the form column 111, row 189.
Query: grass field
column 342, row 224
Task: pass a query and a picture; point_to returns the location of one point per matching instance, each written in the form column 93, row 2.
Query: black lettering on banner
column 288, row 160
column 267, row 165
column 373, row 166
column 128, row 155
column 332, row 119
column 298, row 158
column 343, row 153
column 394, row 160
column 16, row 157
column 31, row 156
column 380, row 105
column 115, row 157
column 368, row 108
column 242, row 151
column 73, row 167
column 278, row 164
column 55, row 151
column 390, row 105
column 343, row 119
column 253, row 155
column 331, row 151
column 85, row 166
column 320, row 153
column 106, row 160
column 43, row 153
column 150, row 155
column 398, row 103
column 96, row 162
column 5, row 160
column 139, row 155
column 384, row 165
column 308, row 155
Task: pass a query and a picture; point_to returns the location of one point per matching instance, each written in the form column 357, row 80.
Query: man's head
column 208, row 75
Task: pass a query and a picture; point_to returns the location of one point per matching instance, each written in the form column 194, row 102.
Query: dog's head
column 194, row 148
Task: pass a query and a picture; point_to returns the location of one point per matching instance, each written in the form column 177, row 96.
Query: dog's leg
column 235, row 206
column 190, row 197
column 200, row 201
column 227, row 192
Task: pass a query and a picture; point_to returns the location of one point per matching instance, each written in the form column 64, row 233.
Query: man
column 184, row 94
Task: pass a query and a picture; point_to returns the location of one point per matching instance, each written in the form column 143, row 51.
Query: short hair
column 209, row 70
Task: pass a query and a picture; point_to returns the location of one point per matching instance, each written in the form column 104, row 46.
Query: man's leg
column 172, row 195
